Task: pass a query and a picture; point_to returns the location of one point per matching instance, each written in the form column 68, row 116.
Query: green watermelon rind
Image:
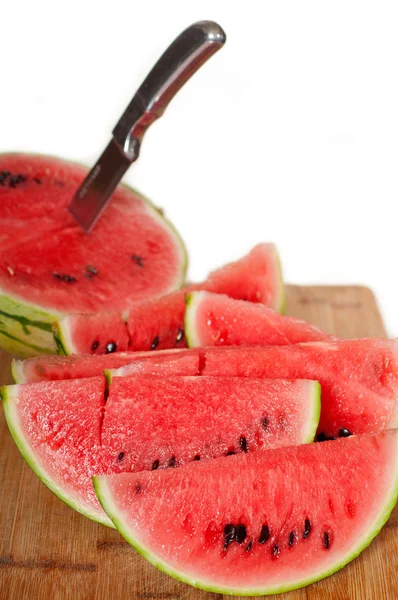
column 314, row 413
column 34, row 316
column 192, row 300
column 281, row 307
column 105, row 498
column 10, row 402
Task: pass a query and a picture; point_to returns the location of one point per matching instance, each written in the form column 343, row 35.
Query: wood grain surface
column 48, row 551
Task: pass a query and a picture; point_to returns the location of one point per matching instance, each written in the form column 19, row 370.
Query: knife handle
column 189, row 51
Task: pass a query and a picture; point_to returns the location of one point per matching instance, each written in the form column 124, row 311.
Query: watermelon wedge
column 52, row 368
column 217, row 320
column 159, row 324
column 70, row 430
column 259, row 523
column 50, row 268
column 359, row 378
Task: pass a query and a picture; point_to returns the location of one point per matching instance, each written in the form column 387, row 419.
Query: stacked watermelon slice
column 186, row 417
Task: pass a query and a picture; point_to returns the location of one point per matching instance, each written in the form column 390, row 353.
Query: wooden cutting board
column 48, row 551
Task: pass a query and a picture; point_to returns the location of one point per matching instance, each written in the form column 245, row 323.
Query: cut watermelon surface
column 57, row 428
column 52, row 368
column 81, row 334
column 159, row 324
column 70, row 430
column 217, row 320
column 259, row 523
column 359, row 378
column 50, row 267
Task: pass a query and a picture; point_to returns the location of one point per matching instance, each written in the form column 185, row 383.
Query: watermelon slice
column 359, row 378
column 49, row 267
column 159, row 324
column 259, row 523
column 217, row 320
column 70, row 430
column 52, row 368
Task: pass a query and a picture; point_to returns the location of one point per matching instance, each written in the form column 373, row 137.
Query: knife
column 189, row 51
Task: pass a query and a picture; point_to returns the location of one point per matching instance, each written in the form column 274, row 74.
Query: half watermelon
column 49, row 267
column 259, row 523
column 159, row 324
column 70, row 430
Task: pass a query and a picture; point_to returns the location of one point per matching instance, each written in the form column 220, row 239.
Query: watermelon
column 217, row 320
column 51, row 368
column 259, row 523
column 49, row 267
column 159, row 324
column 359, row 378
column 70, row 430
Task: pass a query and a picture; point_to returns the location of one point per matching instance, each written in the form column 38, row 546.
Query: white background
column 289, row 134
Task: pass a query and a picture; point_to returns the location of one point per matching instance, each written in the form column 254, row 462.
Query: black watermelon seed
column 21, row 177
column 292, row 537
column 180, row 335
column 91, row 271
column 307, row 528
column 230, row 453
column 110, row 347
column 66, row 278
column 172, row 461
column 37, row 180
column 138, row 260
column 321, row 437
column 120, row 457
column 197, row 457
column 265, row 423
column 343, row 432
column 331, row 438
column 155, row 465
column 155, row 342
column 276, row 550
column 94, row 345
column 264, row 534
column 2, row 178
column 240, row 533
column 243, row 444
column 137, row 488
column 5, row 174
column 14, row 180
column 249, row 546
column 326, row 540
column 229, row 535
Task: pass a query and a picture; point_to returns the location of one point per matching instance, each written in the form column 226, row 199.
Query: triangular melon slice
column 259, row 523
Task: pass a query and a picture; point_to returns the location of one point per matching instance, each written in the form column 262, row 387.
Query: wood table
column 48, row 551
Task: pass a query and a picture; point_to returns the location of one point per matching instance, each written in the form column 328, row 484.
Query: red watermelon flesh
column 40, row 238
column 50, row 267
column 217, row 320
column 259, row 523
column 81, row 334
column 57, row 428
column 69, row 430
column 359, row 378
column 159, row 324
column 51, row 368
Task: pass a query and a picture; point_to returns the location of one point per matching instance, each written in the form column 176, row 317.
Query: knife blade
column 189, row 51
